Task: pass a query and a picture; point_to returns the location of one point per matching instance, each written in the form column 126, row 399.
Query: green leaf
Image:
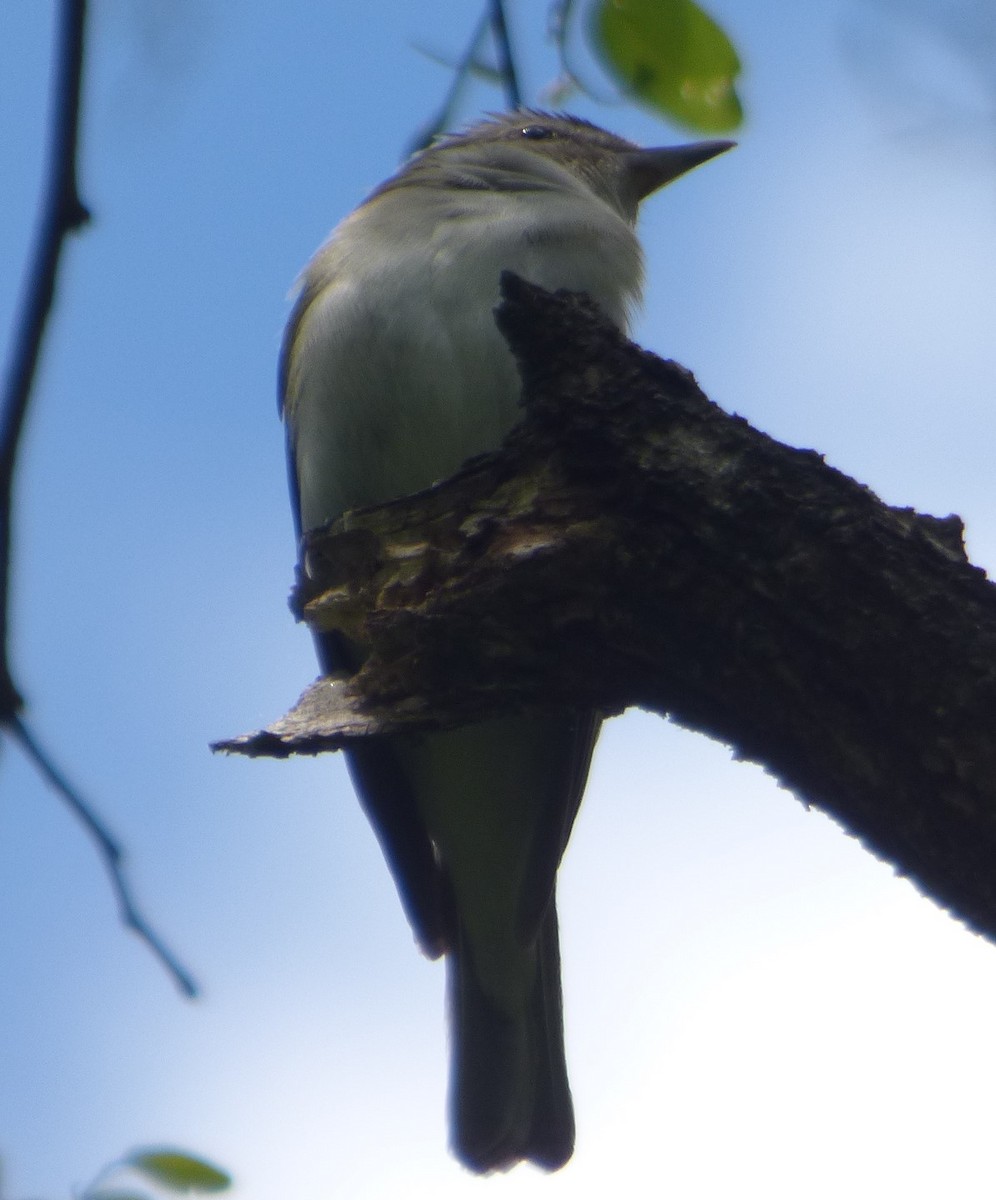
column 673, row 57
column 178, row 1171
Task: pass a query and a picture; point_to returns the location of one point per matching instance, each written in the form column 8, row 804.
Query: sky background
column 754, row 1004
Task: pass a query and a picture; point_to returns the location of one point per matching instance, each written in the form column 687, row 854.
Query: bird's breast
column 400, row 373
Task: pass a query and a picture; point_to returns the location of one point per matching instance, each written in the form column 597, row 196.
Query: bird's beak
column 652, row 168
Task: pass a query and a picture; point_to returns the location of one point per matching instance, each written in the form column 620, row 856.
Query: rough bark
column 632, row 544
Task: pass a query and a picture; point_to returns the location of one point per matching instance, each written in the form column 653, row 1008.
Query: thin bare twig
column 506, row 62
column 560, row 19
column 444, row 114
column 492, row 17
column 110, row 852
column 62, row 213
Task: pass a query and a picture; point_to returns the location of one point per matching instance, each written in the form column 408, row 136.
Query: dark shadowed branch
column 62, row 213
column 443, row 116
column 111, row 853
column 506, row 59
column 505, row 74
column 632, row 544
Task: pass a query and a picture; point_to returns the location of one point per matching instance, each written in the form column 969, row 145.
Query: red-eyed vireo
column 392, row 374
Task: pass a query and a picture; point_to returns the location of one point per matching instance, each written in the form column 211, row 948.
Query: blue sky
column 750, row 996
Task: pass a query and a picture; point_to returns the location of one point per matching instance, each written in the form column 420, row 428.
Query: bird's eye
column 536, row 132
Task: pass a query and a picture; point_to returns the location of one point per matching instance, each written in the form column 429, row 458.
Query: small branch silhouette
column 506, row 75
column 62, row 214
column 110, row 851
column 506, row 63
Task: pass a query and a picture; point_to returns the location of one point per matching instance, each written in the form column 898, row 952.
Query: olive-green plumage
column 392, row 374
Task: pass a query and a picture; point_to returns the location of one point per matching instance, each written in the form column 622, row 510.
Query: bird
column 392, row 373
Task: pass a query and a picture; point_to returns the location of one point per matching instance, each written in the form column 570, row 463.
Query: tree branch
column 634, row 545
column 506, row 60
column 62, row 213
column 110, row 852
column 493, row 17
column 461, row 73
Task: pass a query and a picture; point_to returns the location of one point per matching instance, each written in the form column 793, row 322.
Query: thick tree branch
column 634, row 545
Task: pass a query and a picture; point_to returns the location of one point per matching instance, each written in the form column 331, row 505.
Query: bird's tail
column 509, row 1094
